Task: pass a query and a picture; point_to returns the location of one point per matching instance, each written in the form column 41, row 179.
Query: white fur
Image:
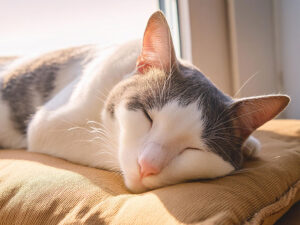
column 74, row 126
column 69, row 125
column 5, row 65
column 177, row 133
column 190, row 165
column 9, row 136
column 251, row 147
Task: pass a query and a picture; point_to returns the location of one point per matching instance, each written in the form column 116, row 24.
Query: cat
column 134, row 108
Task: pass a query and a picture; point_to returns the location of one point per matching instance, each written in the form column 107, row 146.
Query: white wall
column 209, row 37
column 251, row 26
column 249, row 47
column 36, row 25
column 289, row 13
column 232, row 41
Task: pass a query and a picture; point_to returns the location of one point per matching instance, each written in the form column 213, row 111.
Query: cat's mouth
column 151, row 176
column 138, row 184
column 135, row 184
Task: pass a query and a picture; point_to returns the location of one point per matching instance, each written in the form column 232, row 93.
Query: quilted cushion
column 39, row 189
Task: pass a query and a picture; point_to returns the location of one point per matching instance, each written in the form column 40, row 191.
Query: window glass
column 35, row 25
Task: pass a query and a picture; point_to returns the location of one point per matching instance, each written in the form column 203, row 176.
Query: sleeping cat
column 134, row 108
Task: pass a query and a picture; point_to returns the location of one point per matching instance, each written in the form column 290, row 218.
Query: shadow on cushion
column 36, row 189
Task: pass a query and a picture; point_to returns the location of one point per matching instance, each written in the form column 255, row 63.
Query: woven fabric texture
column 39, row 189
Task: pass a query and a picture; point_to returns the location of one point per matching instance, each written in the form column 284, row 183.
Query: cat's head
column 173, row 124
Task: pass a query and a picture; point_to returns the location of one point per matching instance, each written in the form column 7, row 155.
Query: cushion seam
column 295, row 187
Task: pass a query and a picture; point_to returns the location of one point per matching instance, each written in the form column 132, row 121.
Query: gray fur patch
column 187, row 85
column 32, row 84
column 20, row 92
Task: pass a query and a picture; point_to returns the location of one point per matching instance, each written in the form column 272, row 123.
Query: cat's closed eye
column 148, row 116
column 193, row 148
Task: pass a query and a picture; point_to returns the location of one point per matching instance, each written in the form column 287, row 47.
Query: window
column 34, row 25
column 170, row 9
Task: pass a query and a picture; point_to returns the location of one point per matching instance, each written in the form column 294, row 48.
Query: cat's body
column 72, row 83
column 158, row 123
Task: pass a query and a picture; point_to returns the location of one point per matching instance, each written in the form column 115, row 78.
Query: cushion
column 39, row 189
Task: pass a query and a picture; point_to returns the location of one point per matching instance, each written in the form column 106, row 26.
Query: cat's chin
column 135, row 185
column 142, row 185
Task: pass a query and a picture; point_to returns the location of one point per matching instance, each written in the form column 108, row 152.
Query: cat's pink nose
column 147, row 168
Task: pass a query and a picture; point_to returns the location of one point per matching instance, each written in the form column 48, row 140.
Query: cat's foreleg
column 49, row 124
column 62, row 128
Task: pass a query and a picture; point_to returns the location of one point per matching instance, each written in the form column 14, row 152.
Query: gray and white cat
column 134, row 108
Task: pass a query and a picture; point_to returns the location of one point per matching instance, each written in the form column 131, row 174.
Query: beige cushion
column 39, row 189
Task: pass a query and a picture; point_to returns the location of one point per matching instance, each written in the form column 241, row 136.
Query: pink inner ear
column 157, row 50
column 142, row 65
column 253, row 112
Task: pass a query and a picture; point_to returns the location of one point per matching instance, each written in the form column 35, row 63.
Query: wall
column 289, row 19
column 209, row 36
column 246, row 47
column 251, row 26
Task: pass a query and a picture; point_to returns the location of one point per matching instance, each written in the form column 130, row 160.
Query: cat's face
column 172, row 124
column 162, row 130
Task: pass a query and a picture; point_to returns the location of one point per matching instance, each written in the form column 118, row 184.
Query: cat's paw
column 251, row 147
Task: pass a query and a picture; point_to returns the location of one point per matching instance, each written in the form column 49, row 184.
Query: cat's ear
column 251, row 113
column 158, row 50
